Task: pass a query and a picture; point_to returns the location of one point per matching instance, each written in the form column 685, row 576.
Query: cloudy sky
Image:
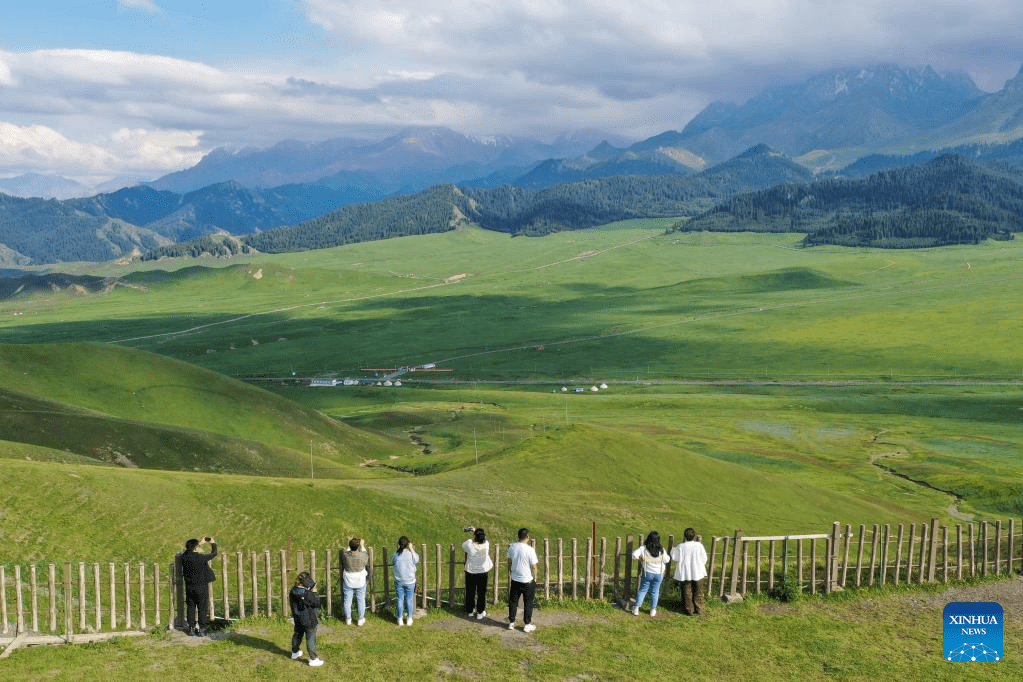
column 103, row 88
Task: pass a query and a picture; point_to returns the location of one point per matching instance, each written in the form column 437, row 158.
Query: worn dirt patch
column 497, row 626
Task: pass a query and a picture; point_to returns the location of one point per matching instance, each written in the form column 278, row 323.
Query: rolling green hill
column 137, row 409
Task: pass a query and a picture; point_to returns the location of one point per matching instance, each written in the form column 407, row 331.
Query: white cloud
column 144, row 5
column 40, row 148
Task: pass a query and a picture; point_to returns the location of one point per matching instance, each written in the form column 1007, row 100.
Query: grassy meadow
column 750, row 384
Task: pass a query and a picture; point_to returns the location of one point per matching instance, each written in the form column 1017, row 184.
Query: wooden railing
column 79, row 601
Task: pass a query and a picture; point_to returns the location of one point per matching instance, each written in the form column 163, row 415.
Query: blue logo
column 972, row 632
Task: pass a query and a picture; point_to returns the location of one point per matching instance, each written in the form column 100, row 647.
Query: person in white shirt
column 522, row 562
column 690, row 568
column 654, row 560
column 477, row 566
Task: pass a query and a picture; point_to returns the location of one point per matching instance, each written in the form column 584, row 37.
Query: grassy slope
column 102, row 401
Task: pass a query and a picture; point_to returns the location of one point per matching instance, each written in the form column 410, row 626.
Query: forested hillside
column 949, row 200
column 518, row 210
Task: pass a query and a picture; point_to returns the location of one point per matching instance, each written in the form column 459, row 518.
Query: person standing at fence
column 305, row 607
column 690, row 569
column 654, row 560
column 477, row 567
column 353, row 578
column 522, row 562
column 404, row 562
column 197, row 574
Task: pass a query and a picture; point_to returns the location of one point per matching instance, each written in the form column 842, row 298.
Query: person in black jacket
column 196, row 571
column 305, row 605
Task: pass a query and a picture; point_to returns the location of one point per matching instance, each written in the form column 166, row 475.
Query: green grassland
column 848, row 364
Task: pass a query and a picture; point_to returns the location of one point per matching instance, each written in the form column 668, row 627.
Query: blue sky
column 107, row 88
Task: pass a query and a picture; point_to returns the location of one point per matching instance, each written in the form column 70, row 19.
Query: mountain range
column 841, row 123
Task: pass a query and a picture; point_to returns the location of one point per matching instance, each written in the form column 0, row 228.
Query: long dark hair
column 402, row 544
column 480, row 536
column 653, row 543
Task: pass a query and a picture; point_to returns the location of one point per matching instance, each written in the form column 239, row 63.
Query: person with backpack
column 653, row 559
column 305, row 606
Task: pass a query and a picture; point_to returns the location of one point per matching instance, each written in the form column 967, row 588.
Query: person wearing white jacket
column 477, row 567
column 690, row 559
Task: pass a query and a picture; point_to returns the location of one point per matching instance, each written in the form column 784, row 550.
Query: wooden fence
column 76, row 601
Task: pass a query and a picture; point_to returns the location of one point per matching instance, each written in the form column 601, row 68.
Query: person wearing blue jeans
column 353, row 578
column 404, row 562
column 653, row 561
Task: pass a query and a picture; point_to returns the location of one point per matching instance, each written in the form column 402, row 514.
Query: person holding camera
column 522, row 562
column 353, row 578
column 404, row 561
column 477, row 567
column 305, row 606
column 197, row 574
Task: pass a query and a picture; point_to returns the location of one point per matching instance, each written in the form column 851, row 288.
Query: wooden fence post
column 1012, row 535
column 254, row 581
column 836, row 531
column 371, row 580
column 845, row 562
column 924, row 534
column 3, row 600
column 53, row 597
column 873, row 555
column 142, row 596
column 998, row 547
column 113, row 598
column 20, row 600
column 426, row 581
column 589, row 567
column 34, row 592
column 628, row 568
column 156, row 591
column 898, row 553
column 561, row 568
column 386, row 565
column 770, row 565
column 944, row 554
column 799, row 563
column 757, row 586
column 934, row 550
column 575, row 569
column 497, row 572
column 69, row 601
column 724, row 565
column 859, row 556
column 736, row 551
column 546, row 569
column 285, row 583
column 885, row 540
column 451, row 577
column 909, row 554
column 440, row 576
column 600, row 568
column 983, row 545
column 617, row 573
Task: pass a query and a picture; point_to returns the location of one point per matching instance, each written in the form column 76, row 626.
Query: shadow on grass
column 257, row 643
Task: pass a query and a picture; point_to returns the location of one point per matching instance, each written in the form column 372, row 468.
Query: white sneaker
column 635, row 611
column 481, row 615
column 511, row 626
column 653, row 612
column 400, row 622
column 362, row 621
column 473, row 613
column 529, row 628
column 296, row 655
column 408, row 621
column 348, row 621
column 316, row 662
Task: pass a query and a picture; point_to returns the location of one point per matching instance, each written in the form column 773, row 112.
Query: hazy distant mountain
column 663, row 154
column 410, row 160
column 997, row 117
column 860, row 107
column 43, row 186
